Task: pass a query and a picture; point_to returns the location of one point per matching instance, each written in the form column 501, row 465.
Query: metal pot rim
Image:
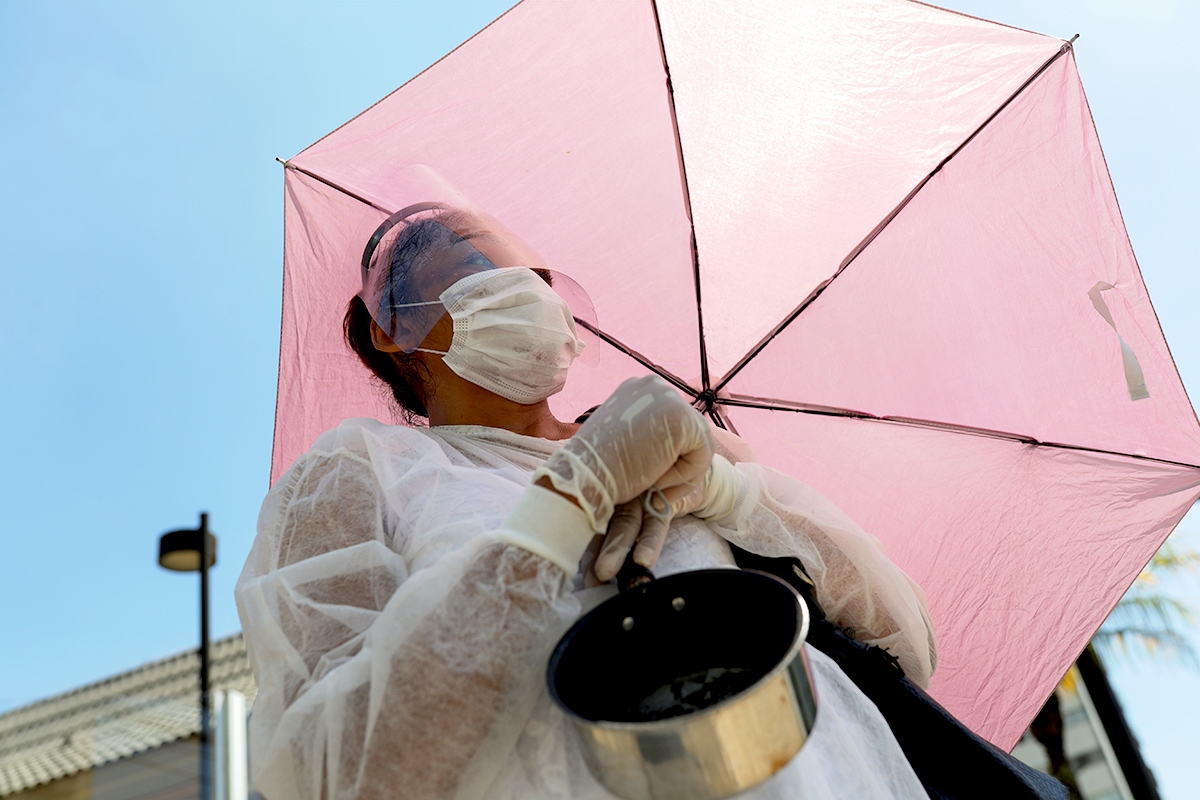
column 674, row 722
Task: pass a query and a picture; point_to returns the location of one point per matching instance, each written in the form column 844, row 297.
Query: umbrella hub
column 706, row 401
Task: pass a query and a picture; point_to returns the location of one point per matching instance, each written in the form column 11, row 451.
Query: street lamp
column 189, row 550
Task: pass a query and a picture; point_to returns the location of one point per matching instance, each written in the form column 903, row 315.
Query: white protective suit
column 400, row 644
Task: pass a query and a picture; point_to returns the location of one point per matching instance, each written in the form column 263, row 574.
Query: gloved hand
column 644, row 435
column 717, row 497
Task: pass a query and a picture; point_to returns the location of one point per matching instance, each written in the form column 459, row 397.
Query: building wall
column 72, row 787
column 163, row 773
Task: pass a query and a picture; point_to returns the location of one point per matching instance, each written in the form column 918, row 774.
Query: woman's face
column 483, row 243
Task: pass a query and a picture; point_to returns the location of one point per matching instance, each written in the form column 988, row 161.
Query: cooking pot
column 688, row 687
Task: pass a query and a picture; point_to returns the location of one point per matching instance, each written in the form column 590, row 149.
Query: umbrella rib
column 332, row 185
column 367, row 110
column 771, row 404
column 887, row 220
column 721, row 420
column 687, row 197
column 662, row 372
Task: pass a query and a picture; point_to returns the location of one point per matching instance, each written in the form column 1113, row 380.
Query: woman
column 407, row 584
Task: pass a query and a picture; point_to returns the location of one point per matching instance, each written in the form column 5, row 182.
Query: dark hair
column 409, row 253
column 402, row 373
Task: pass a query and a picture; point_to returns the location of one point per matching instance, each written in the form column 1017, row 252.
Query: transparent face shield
column 423, row 250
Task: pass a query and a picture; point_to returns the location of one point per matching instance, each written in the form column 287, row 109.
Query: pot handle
column 632, row 574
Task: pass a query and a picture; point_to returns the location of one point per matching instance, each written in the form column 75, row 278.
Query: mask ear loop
column 414, row 305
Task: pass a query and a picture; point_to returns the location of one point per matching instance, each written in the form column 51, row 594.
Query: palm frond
column 1151, row 609
column 1172, row 559
column 1145, row 642
column 1147, row 622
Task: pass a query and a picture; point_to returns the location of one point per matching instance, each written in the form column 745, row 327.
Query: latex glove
column 631, row 527
column 644, row 435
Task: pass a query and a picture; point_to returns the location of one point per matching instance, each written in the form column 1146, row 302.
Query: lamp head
column 181, row 550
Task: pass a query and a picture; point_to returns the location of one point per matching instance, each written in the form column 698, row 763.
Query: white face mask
column 513, row 334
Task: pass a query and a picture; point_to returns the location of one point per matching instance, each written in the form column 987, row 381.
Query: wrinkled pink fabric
column 996, row 449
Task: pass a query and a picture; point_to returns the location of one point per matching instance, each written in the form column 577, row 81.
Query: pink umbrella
column 876, row 238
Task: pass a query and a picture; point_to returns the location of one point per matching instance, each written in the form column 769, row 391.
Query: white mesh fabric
column 644, row 435
column 400, row 646
column 855, row 582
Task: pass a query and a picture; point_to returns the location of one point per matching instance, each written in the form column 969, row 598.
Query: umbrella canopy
column 876, row 238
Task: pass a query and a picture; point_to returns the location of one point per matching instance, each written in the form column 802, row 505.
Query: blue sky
column 140, row 268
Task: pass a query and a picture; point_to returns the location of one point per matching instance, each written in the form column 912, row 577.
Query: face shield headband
column 419, row 252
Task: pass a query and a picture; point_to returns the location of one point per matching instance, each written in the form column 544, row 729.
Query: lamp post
column 188, row 550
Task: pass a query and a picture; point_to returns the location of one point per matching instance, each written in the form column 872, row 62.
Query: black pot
column 691, row 686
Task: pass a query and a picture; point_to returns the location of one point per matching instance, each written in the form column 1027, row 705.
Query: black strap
column 952, row 762
column 788, row 570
